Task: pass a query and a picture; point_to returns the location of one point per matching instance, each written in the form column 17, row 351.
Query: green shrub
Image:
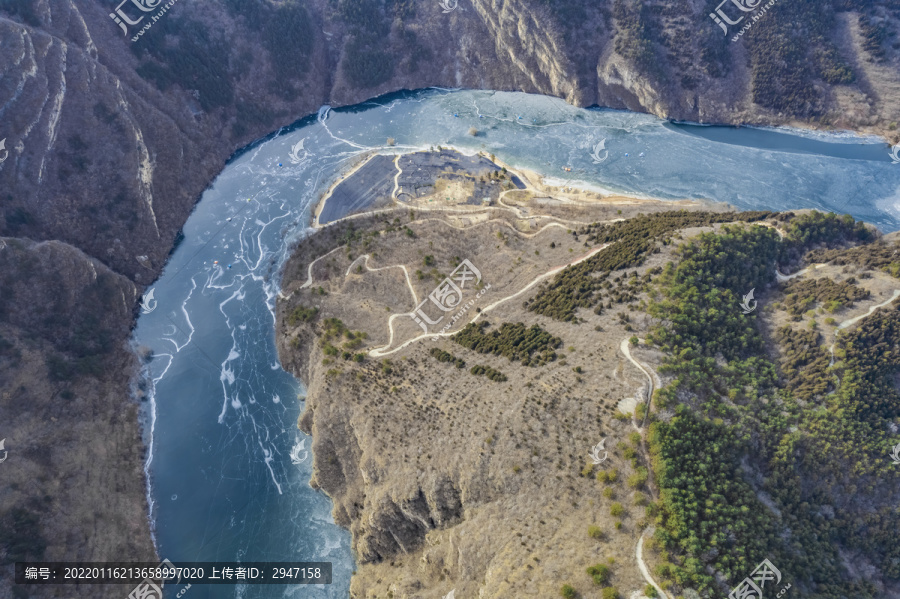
column 595, row 532
column 443, row 356
column 611, row 593
column 532, row 346
column 302, row 314
column 803, row 294
column 492, row 374
column 600, row 573
column 608, row 476
column 616, row 509
column 638, row 479
column 568, row 592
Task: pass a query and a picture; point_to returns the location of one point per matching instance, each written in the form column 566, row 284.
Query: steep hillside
column 72, row 486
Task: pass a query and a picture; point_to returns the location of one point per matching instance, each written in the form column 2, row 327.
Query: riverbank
column 378, row 182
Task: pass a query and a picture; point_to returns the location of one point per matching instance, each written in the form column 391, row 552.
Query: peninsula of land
column 521, row 390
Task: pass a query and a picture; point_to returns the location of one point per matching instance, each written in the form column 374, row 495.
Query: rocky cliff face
column 108, row 142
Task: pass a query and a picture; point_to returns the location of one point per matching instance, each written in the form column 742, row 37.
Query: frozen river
column 223, row 483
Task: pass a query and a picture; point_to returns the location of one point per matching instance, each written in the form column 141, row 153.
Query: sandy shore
column 538, row 186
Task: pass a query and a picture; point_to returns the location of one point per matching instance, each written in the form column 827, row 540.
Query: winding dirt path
column 781, row 278
column 852, row 321
column 522, row 214
column 655, row 383
column 651, row 375
column 385, row 351
column 639, row 554
column 365, row 259
column 309, row 276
